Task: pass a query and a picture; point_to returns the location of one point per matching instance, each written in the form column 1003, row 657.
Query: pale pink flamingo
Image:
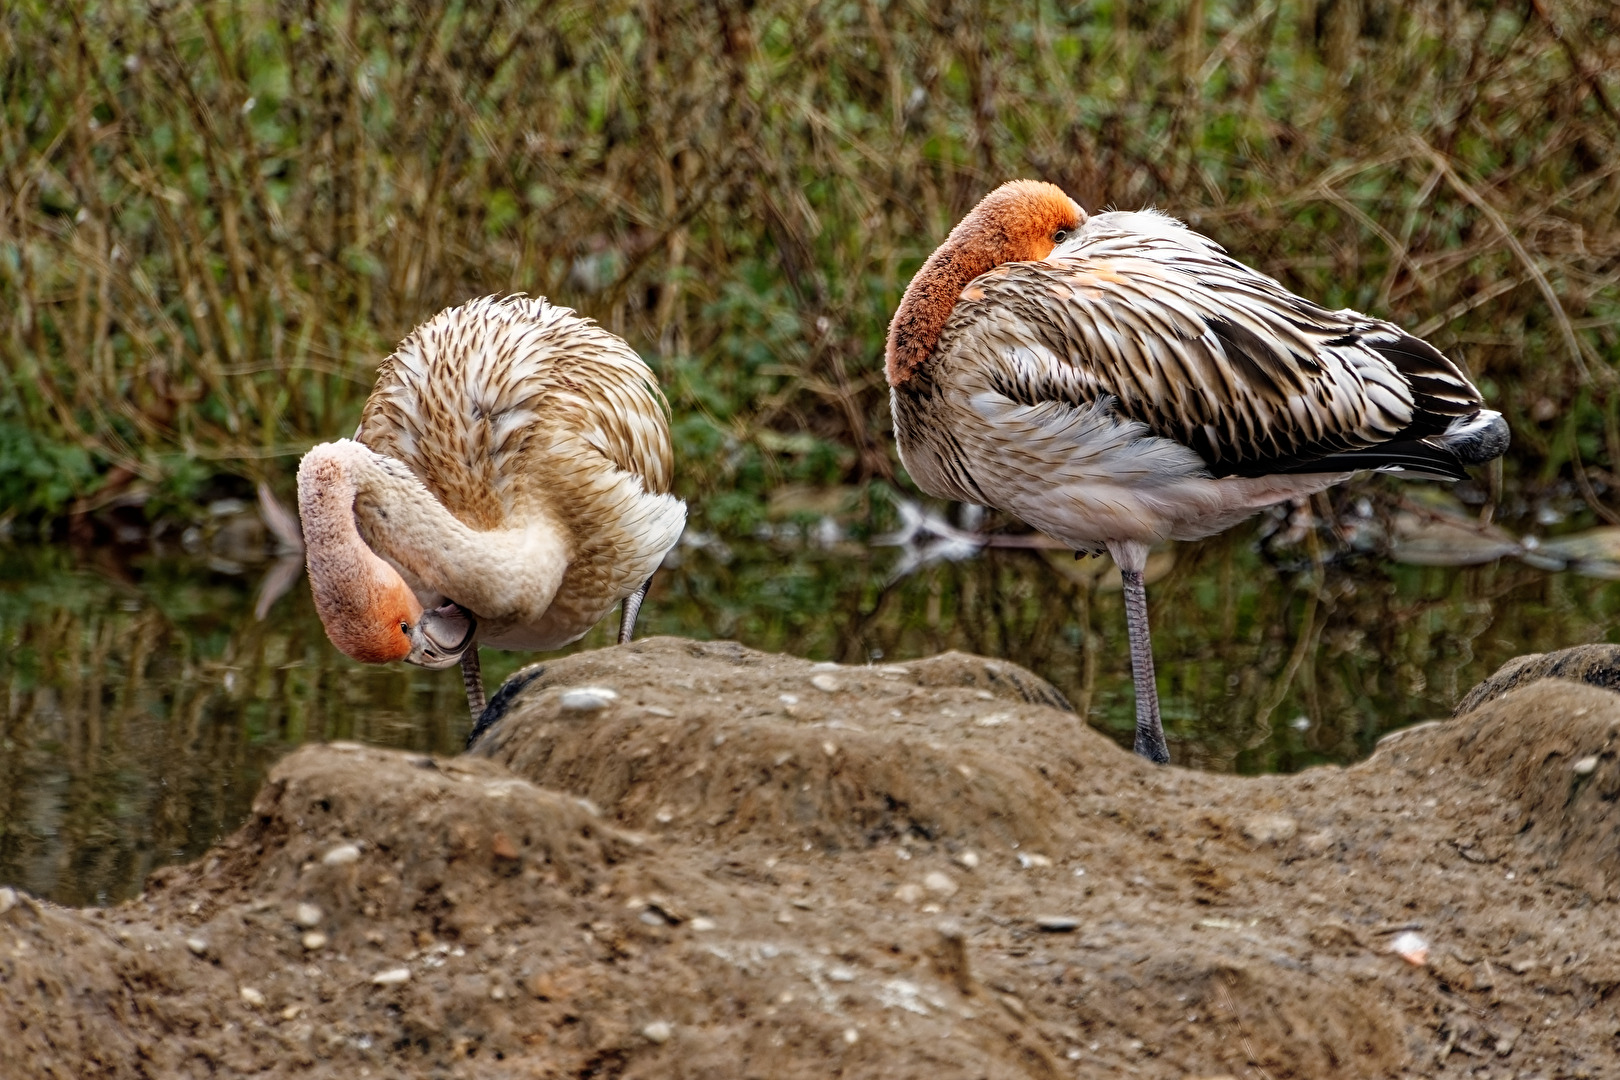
column 1118, row 380
column 508, row 485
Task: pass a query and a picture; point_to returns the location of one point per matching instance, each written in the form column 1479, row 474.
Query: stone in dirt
column 1203, row 941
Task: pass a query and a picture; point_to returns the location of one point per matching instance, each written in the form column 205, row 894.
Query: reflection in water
column 141, row 704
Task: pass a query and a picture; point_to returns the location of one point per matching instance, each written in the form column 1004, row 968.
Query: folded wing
column 1212, row 354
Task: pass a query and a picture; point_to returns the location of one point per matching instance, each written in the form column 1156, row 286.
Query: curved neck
column 505, row 572
column 927, row 304
column 360, row 598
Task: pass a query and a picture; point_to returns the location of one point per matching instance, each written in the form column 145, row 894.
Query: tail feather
column 1476, row 439
column 1467, row 440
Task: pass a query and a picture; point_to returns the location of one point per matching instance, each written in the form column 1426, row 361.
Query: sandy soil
column 748, row 865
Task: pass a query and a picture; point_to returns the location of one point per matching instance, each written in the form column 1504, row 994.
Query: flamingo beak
column 441, row 636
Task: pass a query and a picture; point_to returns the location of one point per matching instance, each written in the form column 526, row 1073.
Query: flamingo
column 509, row 483
column 1117, row 380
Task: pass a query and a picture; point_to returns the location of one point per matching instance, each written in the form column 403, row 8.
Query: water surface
column 142, row 702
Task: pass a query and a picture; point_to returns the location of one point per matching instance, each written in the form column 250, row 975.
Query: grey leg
column 473, row 676
column 632, row 608
column 1132, row 558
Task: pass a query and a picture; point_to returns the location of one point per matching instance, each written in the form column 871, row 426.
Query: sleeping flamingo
column 1118, row 380
column 509, row 483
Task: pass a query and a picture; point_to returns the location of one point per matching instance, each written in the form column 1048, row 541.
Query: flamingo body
column 514, row 462
column 1119, row 380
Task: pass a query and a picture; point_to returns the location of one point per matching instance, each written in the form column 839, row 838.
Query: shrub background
column 216, row 217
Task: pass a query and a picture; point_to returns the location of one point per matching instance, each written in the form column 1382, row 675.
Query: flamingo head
column 1020, row 221
column 379, row 620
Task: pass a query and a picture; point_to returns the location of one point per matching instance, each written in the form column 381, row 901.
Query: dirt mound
column 681, row 859
column 1596, row 665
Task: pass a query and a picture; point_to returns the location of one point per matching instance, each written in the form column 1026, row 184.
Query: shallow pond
column 142, row 701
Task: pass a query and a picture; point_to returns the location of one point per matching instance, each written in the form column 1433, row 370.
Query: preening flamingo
column 509, row 483
column 1117, row 380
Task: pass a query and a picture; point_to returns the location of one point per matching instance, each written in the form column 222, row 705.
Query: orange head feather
column 1020, row 221
column 376, row 633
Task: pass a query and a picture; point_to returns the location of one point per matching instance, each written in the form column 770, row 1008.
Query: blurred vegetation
column 218, row 215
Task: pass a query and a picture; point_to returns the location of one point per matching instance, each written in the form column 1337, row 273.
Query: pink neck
column 927, row 305
column 355, row 591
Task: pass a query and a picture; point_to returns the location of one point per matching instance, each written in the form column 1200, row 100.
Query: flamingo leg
column 632, row 608
column 1132, row 559
column 473, row 677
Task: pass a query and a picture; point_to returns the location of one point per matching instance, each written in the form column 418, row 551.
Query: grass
column 218, row 215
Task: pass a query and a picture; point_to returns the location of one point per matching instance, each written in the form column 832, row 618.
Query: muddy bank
column 738, row 864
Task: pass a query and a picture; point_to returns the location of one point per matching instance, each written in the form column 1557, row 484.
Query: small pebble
column 197, row 945
column 840, row 974
column 1270, row 828
column 1412, row 948
column 1028, row 861
column 587, row 698
column 659, row 710
column 291, row 1012
column 825, row 683
column 308, row 915
column 341, row 855
column 1057, row 924
column 702, row 924
column 8, row 899
column 314, row 940
column 968, row 859
column 942, row 884
column 909, row 893
column 851, row 1036
column 658, row 1031
column 251, row 996
column 392, row 977
column 789, row 699
column 1586, row 766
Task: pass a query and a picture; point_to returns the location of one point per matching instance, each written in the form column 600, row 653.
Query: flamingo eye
column 1060, row 236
